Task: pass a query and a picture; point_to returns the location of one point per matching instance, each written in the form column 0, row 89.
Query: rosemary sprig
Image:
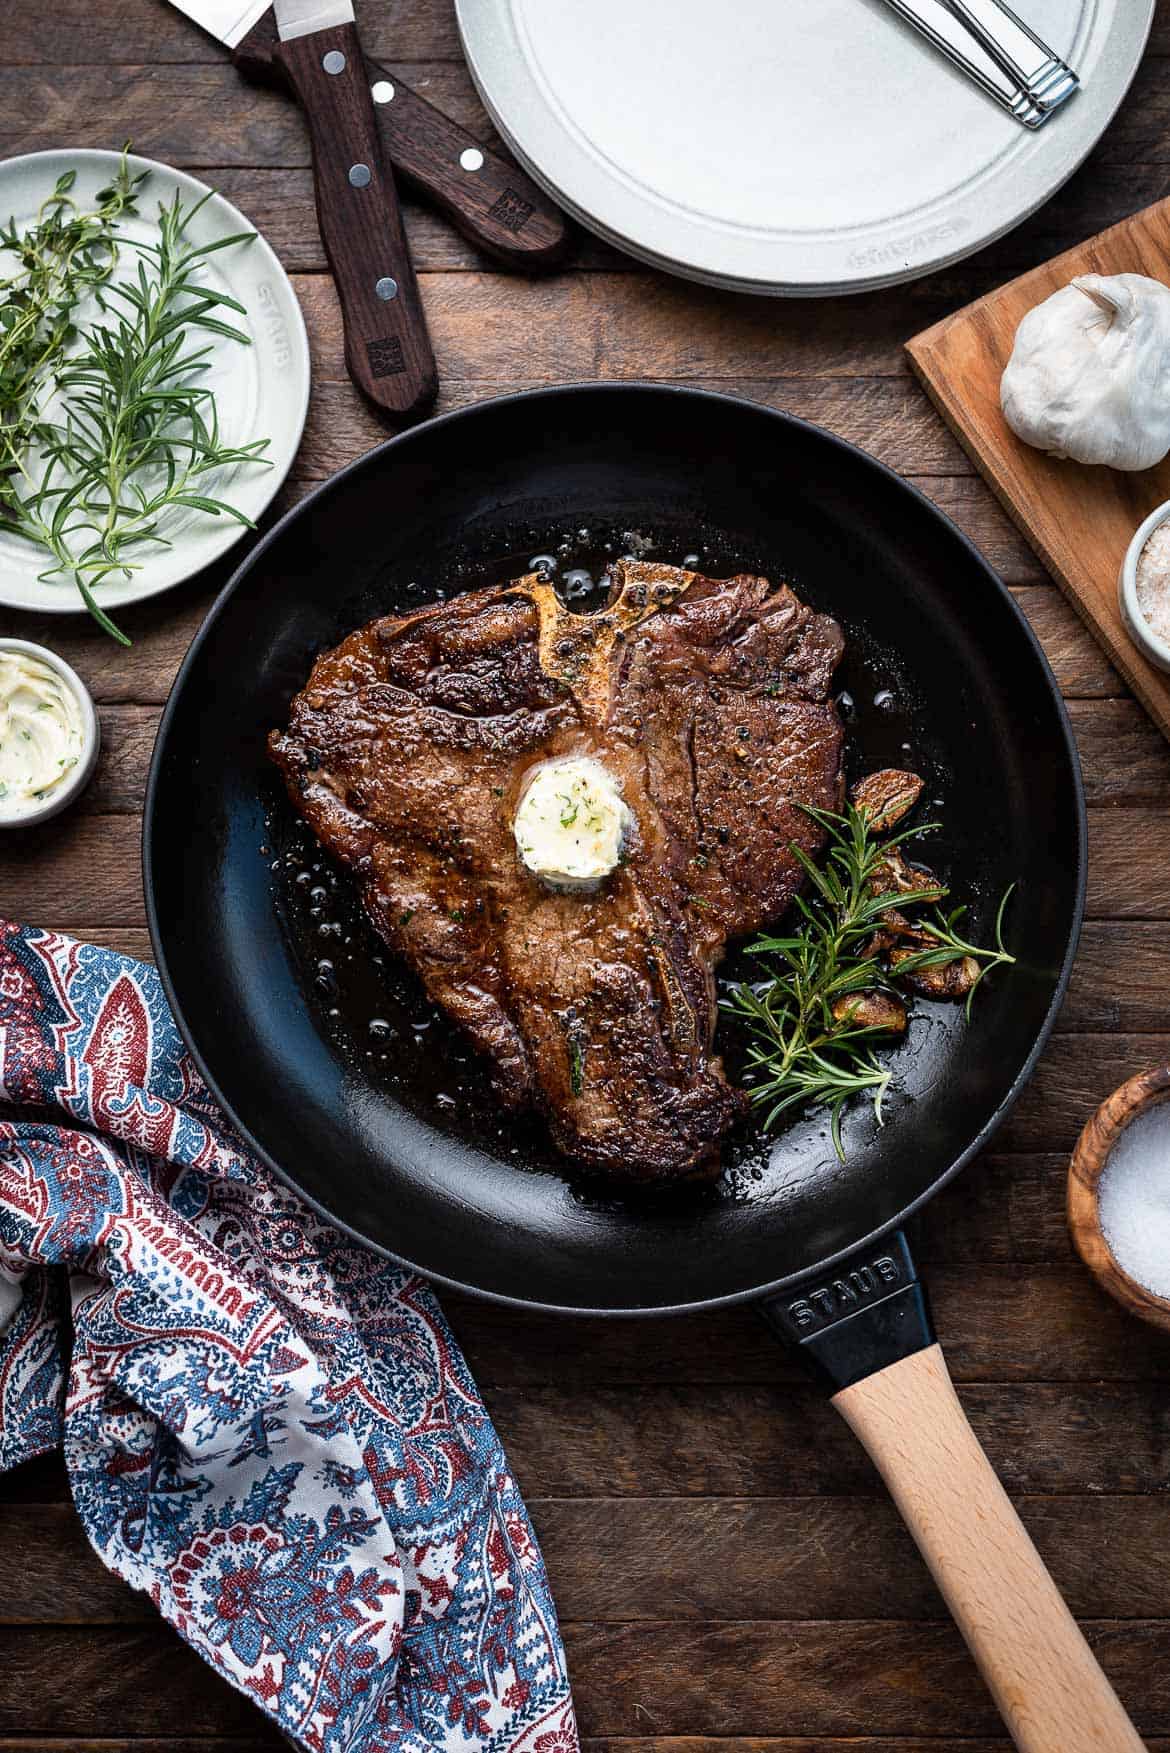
column 137, row 433
column 66, row 254
column 806, row 1048
column 953, row 948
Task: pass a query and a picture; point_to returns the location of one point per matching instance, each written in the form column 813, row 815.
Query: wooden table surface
column 728, row 1572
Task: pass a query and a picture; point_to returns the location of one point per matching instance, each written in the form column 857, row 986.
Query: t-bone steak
column 707, row 700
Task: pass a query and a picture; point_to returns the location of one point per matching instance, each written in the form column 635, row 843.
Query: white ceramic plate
column 261, row 391
column 784, row 146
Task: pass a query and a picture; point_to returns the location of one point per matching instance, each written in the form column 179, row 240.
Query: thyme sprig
column 135, row 432
column 806, row 1048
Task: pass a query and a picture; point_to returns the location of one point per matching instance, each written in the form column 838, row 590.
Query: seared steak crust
column 708, row 700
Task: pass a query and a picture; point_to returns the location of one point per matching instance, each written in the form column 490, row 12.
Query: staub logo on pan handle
column 868, row 1313
column 827, row 1303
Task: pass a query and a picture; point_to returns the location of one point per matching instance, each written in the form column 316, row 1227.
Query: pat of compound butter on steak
column 571, row 821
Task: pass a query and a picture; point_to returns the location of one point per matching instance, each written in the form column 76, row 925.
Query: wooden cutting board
column 1079, row 520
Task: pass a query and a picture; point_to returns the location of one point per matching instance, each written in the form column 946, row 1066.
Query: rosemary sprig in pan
column 952, row 947
column 808, row 1046
column 136, row 433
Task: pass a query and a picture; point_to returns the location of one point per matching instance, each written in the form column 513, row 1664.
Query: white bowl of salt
column 1119, row 1195
column 1143, row 587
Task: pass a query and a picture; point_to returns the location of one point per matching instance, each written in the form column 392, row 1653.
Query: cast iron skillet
column 391, row 1131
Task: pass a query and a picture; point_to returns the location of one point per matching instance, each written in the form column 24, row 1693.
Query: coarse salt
column 1134, row 1199
column 1153, row 581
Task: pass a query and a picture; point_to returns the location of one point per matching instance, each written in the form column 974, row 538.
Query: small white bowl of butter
column 1143, row 589
column 49, row 734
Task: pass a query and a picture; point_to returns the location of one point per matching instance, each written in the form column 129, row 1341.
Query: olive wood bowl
column 1092, row 1152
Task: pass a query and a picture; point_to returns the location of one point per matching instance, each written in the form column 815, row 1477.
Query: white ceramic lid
column 784, row 146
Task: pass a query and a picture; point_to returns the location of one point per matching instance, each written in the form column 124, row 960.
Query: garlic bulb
column 1089, row 375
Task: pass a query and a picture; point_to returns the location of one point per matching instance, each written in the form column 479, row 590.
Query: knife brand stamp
column 512, row 210
column 273, row 325
column 386, row 357
column 840, row 1296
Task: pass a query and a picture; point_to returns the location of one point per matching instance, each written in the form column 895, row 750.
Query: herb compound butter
column 42, row 732
column 571, row 822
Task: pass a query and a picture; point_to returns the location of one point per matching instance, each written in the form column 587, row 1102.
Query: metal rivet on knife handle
column 334, row 61
column 387, row 288
column 471, row 158
column 382, row 91
column 359, row 175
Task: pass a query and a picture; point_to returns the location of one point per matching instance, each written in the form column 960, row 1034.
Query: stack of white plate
column 789, row 147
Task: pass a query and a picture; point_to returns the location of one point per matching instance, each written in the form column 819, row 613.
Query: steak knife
column 483, row 193
column 387, row 348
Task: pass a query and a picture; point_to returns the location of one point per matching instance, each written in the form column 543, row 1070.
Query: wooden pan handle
column 1042, row 1674
column 387, row 348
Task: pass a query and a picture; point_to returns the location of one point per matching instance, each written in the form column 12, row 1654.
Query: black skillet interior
column 327, row 1055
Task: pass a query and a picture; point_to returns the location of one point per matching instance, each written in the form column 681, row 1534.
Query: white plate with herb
column 168, row 377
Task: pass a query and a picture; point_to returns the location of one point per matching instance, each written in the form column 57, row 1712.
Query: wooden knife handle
column 495, row 206
column 387, row 348
column 1042, row 1674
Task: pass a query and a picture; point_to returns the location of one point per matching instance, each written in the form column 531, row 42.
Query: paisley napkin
column 267, row 1428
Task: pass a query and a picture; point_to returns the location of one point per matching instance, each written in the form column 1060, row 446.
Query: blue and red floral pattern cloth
column 267, row 1428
